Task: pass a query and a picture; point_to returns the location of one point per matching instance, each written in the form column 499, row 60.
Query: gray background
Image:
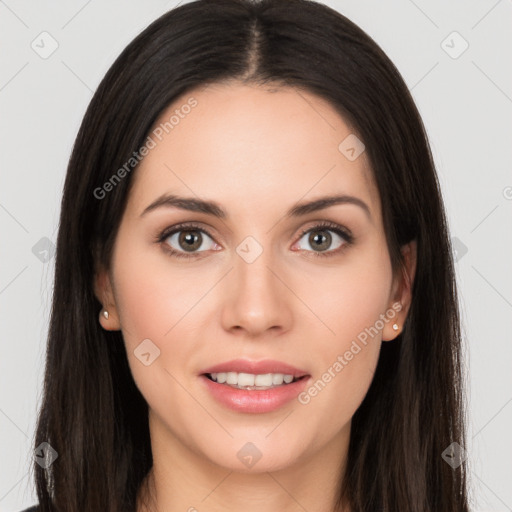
column 466, row 104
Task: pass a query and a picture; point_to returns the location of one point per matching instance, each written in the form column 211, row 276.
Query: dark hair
column 92, row 413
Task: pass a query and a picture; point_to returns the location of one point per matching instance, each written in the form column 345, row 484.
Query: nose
column 256, row 299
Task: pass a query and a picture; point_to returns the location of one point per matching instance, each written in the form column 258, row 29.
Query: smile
column 251, row 381
column 253, row 386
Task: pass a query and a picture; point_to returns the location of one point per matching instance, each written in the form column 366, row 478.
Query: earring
column 395, row 327
column 105, row 314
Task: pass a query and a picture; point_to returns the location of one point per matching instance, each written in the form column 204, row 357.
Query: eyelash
column 326, row 226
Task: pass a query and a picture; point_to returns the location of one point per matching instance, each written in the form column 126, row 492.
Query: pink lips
column 256, row 367
column 254, row 401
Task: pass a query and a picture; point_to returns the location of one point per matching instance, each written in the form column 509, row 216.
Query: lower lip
column 254, row 401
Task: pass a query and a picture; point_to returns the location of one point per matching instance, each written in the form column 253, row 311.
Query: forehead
column 248, row 146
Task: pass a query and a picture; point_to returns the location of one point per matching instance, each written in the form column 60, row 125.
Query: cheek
column 352, row 306
column 152, row 294
column 351, row 296
column 155, row 304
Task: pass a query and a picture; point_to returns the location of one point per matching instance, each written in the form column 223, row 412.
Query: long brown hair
column 93, row 415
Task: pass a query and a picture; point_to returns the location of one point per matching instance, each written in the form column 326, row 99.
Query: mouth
column 254, row 386
column 251, row 381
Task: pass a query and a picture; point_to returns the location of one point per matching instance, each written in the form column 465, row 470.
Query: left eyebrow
column 325, row 202
column 213, row 208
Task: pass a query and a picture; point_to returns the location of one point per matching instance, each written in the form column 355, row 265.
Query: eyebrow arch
column 213, row 208
column 326, row 201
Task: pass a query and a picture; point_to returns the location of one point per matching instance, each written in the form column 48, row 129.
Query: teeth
column 231, row 378
column 249, row 380
column 245, row 379
column 277, row 379
column 263, row 380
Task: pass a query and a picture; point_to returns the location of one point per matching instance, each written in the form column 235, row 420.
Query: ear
column 401, row 296
column 104, row 293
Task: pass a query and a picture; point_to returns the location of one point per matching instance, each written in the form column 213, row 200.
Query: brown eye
column 323, row 236
column 190, row 240
column 321, row 239
column 187, row 240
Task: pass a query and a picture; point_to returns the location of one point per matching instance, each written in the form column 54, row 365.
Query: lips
column 288, row 382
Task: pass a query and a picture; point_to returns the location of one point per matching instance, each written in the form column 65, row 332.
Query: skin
column 257, row 153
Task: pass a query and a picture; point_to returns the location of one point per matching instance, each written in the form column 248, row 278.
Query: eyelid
column 329, row 225
column 182, row 226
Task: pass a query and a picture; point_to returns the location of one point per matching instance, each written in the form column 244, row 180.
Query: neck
column 182, row 479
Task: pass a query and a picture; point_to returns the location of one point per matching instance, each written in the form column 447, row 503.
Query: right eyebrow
column 187, row 203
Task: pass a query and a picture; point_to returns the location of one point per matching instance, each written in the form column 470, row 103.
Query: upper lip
column 256, row 367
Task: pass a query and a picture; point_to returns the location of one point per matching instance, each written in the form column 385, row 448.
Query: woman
column 251, row 208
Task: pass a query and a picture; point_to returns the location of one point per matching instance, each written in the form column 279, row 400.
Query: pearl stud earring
column 105, row 314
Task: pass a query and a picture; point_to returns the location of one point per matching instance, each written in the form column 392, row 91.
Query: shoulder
column 31, row 509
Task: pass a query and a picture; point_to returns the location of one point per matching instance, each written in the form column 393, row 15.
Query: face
column 252, row 288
